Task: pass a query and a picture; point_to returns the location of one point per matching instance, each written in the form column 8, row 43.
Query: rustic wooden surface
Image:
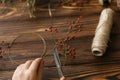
column 85, row 66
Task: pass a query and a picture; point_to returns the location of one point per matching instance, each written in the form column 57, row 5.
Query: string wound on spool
column 104, row 2
column 102, row 33
column 118, row 3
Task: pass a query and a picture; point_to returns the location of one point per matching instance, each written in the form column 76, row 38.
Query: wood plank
column 85, row 66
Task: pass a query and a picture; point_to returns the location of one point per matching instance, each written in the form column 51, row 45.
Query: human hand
column 64, row 78
column 31, row 70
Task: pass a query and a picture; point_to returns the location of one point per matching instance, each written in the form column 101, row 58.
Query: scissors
column 56, row 54
column 58, row 64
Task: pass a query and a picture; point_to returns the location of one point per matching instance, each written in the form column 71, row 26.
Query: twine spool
column 104, row 2
column 118, row 3
column 102, row 33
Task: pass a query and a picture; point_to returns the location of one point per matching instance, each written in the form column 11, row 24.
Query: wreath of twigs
column 36, row 34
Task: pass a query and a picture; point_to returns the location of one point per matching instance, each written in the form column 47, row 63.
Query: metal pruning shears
column 56, row 55
column 58, row 63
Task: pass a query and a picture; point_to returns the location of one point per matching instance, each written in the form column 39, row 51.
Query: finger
column 19, row 68
column 62, row 78
column 40, row 70
column 34, row 65
column 27, row 64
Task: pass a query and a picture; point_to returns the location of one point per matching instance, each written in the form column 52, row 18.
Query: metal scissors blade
column 56, row 55
column 58, row 63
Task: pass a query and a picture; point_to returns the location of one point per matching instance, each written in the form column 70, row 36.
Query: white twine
column 102, row 33
column 118, row 3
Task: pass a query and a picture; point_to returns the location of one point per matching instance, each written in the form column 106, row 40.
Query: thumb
column 40, row 70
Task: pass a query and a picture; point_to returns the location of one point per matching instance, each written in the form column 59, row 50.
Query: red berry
column 80, row 16
column 80, row 24
column 73, row 22
column 73, row 37
column 65, row 40
column 51, row 27
column 73, row 49
column 68, row 38
column 0, row 51
column 68, row 47
column 46, row 30
column 70, row 54
column 70, row 28
column 79, row 30
column 3, row 51
column 56, row 30
column 51, row 30
column 60, row 41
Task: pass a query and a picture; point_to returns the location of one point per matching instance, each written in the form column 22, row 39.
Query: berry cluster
column 75, row 25
column 1, row 50
column 52, row 29
column 64, row 48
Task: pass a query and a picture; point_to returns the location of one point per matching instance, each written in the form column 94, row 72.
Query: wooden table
column 85, row 66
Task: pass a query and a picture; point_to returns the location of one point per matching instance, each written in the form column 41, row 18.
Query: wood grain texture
column 85, row 66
